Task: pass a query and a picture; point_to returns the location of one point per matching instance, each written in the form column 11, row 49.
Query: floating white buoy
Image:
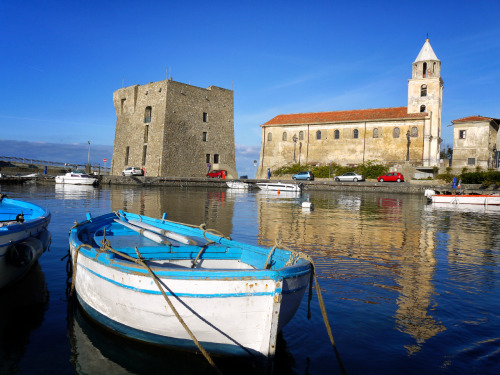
column 307, row 205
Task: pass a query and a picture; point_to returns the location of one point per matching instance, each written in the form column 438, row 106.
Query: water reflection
column 22, row 309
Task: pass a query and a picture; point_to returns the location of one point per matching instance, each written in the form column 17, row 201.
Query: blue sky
column 62, row 61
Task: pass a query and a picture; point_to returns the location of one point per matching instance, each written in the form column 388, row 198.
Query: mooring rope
column 295, row 254
column 106, row 246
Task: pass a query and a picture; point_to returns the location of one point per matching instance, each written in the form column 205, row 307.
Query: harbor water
column 408, row 287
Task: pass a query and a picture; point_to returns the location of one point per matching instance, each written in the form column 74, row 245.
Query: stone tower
column 169, row 128
column 425, row 94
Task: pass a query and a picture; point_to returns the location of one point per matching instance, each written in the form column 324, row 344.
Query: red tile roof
column 375, row 114
column 473, row 118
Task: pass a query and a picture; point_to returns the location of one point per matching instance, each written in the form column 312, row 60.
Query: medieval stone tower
column 172, row 129
column 425, row 94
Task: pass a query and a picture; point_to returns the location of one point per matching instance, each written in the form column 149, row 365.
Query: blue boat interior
column 216, row 248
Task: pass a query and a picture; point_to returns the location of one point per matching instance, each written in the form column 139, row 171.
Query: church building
column 392, row 136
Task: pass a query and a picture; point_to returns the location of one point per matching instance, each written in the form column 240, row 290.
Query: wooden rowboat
column 155, row 280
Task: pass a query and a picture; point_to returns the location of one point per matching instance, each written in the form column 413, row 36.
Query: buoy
column 279, row 192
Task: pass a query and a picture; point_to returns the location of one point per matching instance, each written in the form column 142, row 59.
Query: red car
column 392, row 176
column 217, row 174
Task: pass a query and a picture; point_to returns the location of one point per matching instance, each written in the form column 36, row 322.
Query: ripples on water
column 409, row 288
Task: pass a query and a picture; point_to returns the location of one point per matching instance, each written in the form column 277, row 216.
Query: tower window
column 423, row 90
column 336, row 134
column 284, row 136
column 355, row 133
column 301, row 136
column 461, row 134
column 269, row 137
column 395, row 133
column 207, row 158
column 204, row 136
column 123, row 105
column 318, row 134
column 422, row 108
column 424, row 70
column 146, row 133
column 205, row 116
column 147, row 114
column 216, row 158
column 144, row 153
column 375, row 133
column 127, row 153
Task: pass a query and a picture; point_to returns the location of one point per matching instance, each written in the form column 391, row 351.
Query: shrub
column 369, row 169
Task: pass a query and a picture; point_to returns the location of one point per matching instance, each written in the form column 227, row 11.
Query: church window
column 375, row 133
column 355, row 133
column 336, row 134
column 146, row 133
column 269, row 137
column 284, row 136
column 423, row 90
column 205, row 116
column 414, row 131
column 204, row 136
column 144, row 153
column 318, row 134
column 301, row 136
column 461, row 134
column 395, row 133
column 422, row 108
column 147, row 114
column 424, row 70
column 216, row 158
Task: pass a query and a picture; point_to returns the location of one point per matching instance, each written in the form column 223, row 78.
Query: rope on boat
column 106, row 246
column 295, row 255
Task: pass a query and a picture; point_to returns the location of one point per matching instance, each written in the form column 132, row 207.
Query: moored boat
column 233, row 297
column 462, row 198
column 76, row 177
column 237, row 184
column 23, row 238
column 279, row 186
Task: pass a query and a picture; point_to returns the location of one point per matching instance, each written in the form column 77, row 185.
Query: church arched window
column 269, row 137
column 375, row 133
column 355, row 133
column 395, row 133
column 318, row 134
column 423, row 90
column 422, row 108
column 336, row 134
column 284, row 136
column 301, row 136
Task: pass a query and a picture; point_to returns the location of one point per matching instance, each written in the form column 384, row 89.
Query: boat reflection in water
column 463, row 207
column 97, row 350
column 22, row 310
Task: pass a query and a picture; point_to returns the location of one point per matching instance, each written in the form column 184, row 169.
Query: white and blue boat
column 23, row 238
column 233, row 297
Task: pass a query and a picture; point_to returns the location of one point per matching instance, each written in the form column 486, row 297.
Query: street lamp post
column 294, row 139
column 88, row 159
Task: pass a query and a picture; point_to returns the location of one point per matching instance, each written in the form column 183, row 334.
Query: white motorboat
column 77, row 177
column 237, row 184
column 279, row 186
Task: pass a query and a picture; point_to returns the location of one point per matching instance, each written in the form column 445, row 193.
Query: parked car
column 305, row 175
column 350, row 176
column 217, row 173
column 132, row 171
column 392, row 176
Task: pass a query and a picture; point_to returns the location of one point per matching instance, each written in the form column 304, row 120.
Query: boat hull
column 21, row 244
column 279, row 186
column 230, row 311
column 482, row 200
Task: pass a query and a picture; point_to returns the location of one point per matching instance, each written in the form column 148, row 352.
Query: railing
column 26, row 162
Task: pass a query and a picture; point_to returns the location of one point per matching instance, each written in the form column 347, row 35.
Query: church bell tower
column 425, row 94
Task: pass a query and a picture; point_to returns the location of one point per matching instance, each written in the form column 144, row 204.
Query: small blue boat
column 23, row 238
column 173, row 284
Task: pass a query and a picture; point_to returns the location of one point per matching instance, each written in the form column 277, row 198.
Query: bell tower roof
column 426, row 53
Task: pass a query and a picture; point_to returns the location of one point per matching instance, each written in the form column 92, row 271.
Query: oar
column 146, row 233
column 172, row 235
